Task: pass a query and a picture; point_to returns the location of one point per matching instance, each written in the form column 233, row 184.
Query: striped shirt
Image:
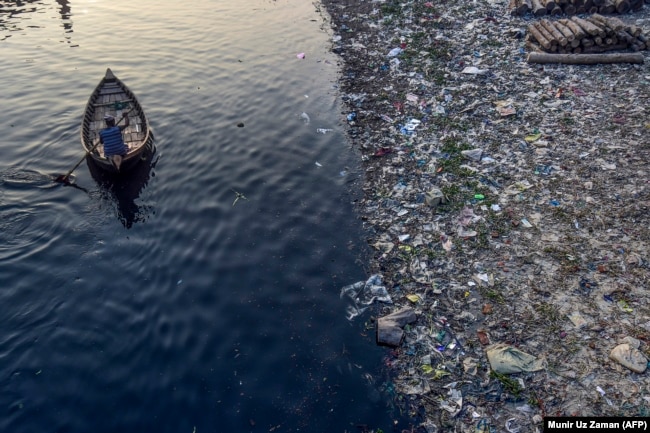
column 112, row 139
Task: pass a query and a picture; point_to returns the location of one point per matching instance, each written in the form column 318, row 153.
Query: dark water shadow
column 124, row 189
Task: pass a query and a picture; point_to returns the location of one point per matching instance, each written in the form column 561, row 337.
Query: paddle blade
column 63, row 178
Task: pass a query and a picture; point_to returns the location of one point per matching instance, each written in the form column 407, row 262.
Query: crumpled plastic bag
column 629, row 357
column 364, row 293
column 474, row 70
column 454, row 403
column 507, row 359
column 421, row 387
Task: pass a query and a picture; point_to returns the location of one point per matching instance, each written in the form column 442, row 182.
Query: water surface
column 157, row 303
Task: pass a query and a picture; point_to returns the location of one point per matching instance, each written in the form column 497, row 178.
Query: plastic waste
column 624, row 306
column 473, row 154
column 363, row 293
column 629, row 357
column 413, row 298
column 454, row 402
column 390, row 328
column 547, row 159
column 410, row 126
column 434, row 197
column 412, row 98
column 484, row 426
column 470, row 366
column 531, row 138
column 474, row 70
column 577, row 319
column 430, row 427
column 305, row 118
column 395, row 52
column 602, row 394
column 511, row 425
column 506, row 111
column 419, row 388
column 507, row 359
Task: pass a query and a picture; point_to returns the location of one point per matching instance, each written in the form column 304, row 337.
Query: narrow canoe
column 111, row 96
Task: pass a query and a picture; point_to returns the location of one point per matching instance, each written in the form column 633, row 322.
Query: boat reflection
column 124, row 189
column 66, row 21
column 16, row 16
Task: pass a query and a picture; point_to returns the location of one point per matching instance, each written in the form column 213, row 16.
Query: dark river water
column 157, row 303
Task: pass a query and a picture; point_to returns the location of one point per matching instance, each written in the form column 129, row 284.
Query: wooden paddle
column 63, row 178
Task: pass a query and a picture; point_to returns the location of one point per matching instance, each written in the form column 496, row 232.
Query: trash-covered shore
column 507, row 205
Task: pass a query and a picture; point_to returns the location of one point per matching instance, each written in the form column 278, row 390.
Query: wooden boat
column 111, row 96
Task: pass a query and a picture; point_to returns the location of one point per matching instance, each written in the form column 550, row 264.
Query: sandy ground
column 538, row 239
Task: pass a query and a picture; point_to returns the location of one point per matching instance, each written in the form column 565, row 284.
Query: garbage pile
column 507, row 206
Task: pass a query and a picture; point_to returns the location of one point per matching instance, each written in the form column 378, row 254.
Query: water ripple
column 157, row 301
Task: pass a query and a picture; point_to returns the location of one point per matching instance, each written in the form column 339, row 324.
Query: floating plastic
column 577, row 319
column 395, row 52
column 629, row 357
column 413, row 298
column 565, row 179
column 454, row 402
column 363, row 294
column 533, row 137
column 474, row 70
column 410, row 126
column 507, row 359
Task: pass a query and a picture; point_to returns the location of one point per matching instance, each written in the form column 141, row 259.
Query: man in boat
column 111, row 137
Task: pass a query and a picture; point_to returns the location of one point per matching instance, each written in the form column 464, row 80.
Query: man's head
column 110, row 120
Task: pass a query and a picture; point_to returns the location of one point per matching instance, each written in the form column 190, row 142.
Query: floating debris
column 238, row 195
column 513, row 214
